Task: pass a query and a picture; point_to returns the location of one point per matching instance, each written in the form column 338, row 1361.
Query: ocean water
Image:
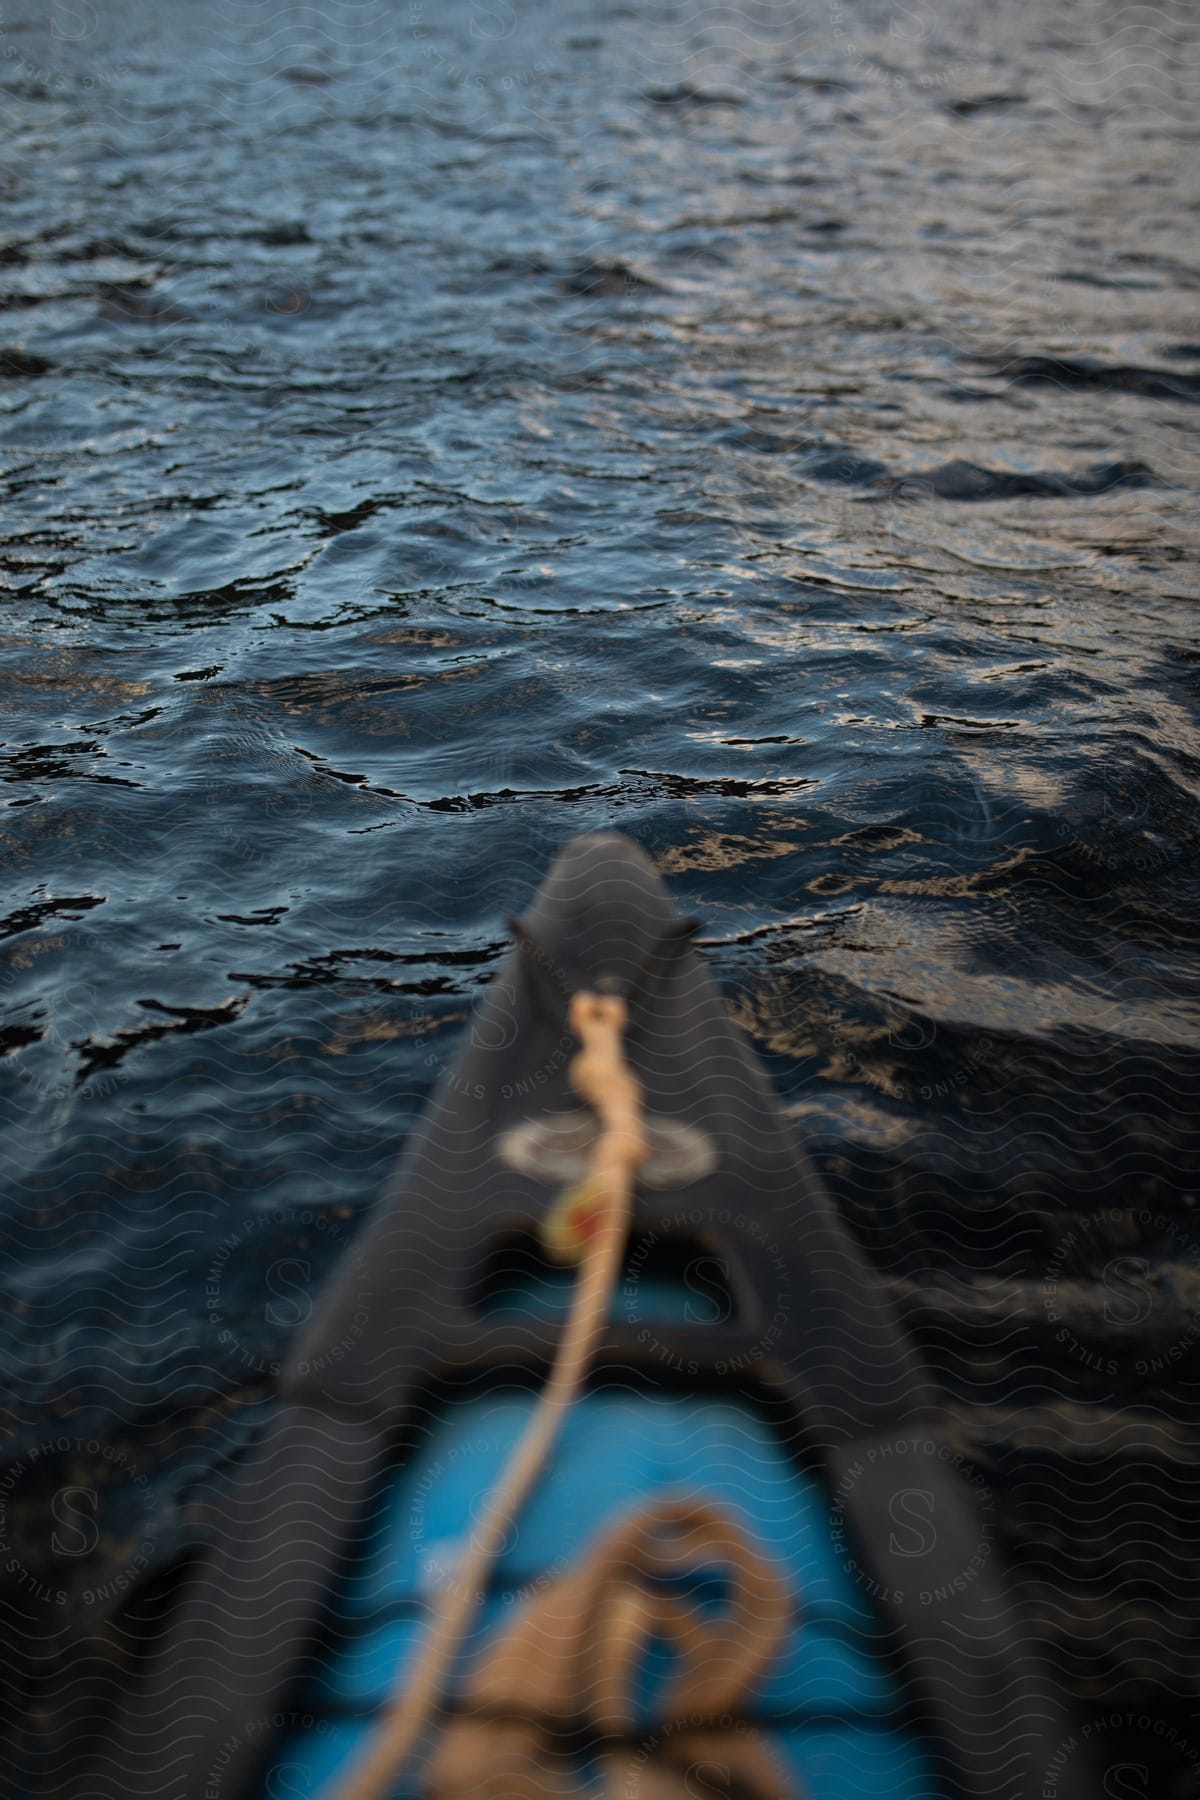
column 769, row 430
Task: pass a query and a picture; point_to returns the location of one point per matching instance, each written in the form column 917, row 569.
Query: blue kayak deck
column 828, row 1709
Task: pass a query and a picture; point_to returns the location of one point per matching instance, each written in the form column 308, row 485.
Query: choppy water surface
column 769, row 430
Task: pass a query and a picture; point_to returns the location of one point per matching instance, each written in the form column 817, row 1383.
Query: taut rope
column 574, row 1655
column 597, row 1215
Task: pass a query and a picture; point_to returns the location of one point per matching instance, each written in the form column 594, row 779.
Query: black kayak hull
column 810, row 1338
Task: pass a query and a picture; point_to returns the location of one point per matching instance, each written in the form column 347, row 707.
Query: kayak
column 750, row 1565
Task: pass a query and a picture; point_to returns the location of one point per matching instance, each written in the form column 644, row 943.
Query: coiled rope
column 576, row 1657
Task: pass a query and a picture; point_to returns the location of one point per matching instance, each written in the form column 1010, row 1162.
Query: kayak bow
column 756, row 1460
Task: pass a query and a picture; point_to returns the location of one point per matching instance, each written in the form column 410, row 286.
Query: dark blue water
column 770, row 430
